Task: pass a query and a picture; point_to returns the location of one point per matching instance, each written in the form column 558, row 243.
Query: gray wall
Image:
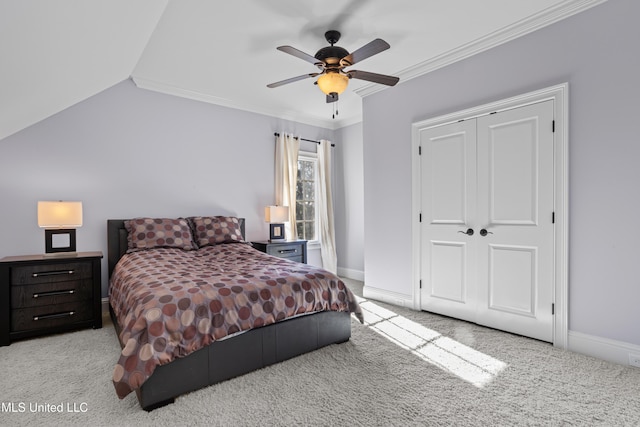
column 129, row 152
column 349, row 201
column 596, row 52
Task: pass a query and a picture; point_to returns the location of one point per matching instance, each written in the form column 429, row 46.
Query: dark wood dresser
column 295, row 250
column 49, row 294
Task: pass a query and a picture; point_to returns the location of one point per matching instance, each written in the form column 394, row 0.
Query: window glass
column 306, row 197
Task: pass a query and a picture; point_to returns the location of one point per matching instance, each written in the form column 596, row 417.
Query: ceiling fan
column 332, row 61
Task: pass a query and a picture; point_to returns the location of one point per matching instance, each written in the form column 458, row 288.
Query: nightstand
column 295, row 250
column 42, row 295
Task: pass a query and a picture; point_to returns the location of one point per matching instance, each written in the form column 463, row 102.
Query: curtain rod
column 303, row 139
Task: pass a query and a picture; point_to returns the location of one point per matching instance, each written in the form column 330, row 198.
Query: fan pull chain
column 335, row 110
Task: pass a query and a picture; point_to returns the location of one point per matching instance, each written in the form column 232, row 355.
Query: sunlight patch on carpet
column 447, row 354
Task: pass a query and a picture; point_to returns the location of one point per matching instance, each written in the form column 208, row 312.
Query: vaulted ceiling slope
column 56, row 53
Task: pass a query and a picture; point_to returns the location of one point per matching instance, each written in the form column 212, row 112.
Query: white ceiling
column 56, row 53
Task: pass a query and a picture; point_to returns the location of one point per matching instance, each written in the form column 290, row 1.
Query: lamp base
column 276, row 231
column 59, row 240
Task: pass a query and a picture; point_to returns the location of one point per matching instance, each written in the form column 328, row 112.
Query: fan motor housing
column 331, row 55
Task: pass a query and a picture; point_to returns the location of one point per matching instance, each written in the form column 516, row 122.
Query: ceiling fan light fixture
column 333, row 82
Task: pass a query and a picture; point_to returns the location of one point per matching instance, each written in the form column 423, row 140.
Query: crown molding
column 506, row 34
column 293, row 116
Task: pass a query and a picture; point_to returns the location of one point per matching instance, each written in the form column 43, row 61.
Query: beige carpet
column 405, row 368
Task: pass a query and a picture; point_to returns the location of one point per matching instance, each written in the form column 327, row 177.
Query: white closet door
column 515, row 207
column 448, row 211
column 494, row 176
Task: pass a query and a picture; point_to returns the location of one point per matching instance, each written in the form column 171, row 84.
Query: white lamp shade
column 276, row 214
column 60, row 214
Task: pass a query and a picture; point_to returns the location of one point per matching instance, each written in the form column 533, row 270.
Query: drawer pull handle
column 51, row 273
column 288, row 251
column 54, row 293
column 53, row 316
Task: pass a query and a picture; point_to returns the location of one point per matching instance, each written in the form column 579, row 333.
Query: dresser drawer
column 49, row 316
column 291, row 250
column 294, row 258
column 50, row 273
column 51, row 293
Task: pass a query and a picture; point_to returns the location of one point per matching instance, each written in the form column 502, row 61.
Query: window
column 306, row 196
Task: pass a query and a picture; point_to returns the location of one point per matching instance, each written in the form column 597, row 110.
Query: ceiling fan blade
column 298, row 54
column 373, row 77
column 369, row 49
column 292, row 79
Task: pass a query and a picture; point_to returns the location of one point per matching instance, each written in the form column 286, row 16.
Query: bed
column 203, row 341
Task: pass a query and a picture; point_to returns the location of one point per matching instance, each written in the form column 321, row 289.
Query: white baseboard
column 351, row 274
column 105, row 305
column 390, row 297
column 602, row 348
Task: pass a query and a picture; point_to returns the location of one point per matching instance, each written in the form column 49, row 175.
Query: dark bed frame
column 243, row 353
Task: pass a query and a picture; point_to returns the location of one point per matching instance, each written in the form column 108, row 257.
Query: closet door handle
column 469, row 232
column 484, row 232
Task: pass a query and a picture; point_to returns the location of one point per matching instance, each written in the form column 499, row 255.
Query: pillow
column 149, row 233
column 214, row 230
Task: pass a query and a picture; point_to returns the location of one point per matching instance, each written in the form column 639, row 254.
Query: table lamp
column 276, row 216
column 60, row 220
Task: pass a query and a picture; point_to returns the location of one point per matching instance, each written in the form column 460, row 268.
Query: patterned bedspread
column 171, row 302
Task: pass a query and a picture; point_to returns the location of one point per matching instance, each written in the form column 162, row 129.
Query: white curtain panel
column 287, row 148
column 325, row 209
